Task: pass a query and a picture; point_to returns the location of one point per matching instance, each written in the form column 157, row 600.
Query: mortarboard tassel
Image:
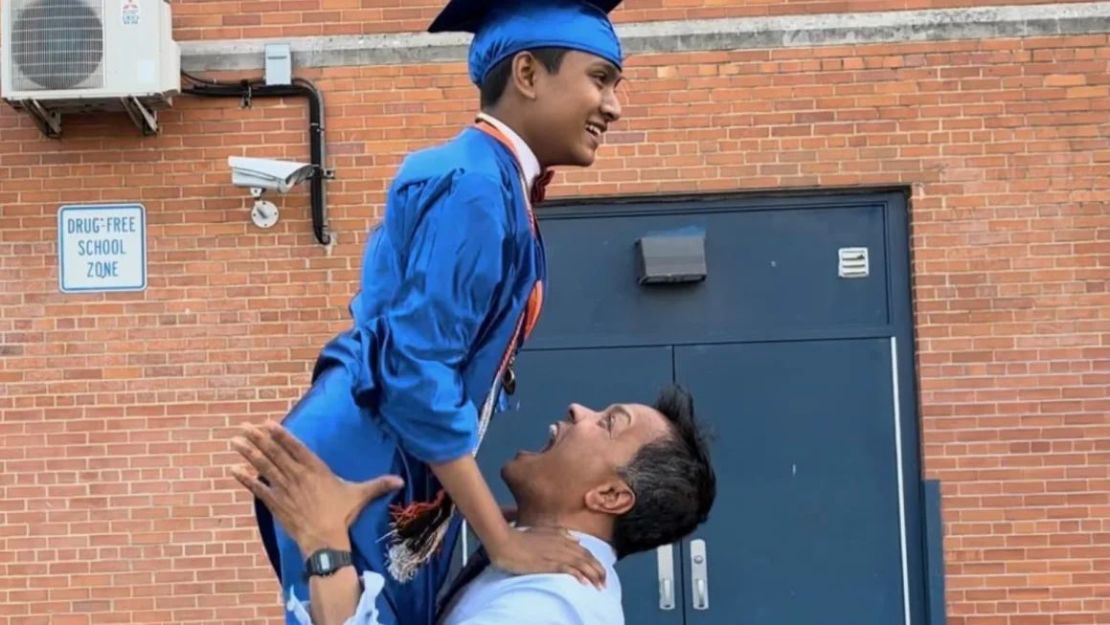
column 417, row 534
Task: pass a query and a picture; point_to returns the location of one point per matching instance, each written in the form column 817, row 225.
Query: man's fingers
column 297, row 451
column 372, row 489
column 260, row 461
column 257, row 488
column 264, row 441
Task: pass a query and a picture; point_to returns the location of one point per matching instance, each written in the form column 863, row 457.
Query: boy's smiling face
column 573, row 107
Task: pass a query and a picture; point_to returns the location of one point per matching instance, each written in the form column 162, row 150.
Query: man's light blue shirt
column 499, row 598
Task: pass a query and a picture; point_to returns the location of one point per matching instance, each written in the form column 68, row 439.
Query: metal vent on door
column 854, row 262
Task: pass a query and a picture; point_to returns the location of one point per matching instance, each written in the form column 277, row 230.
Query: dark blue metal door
column 807, row 530
column 798, row 348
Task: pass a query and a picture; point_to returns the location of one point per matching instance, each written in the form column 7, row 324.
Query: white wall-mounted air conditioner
column 77, row 56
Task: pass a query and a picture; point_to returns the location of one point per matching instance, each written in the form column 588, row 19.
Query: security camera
column 264, row 174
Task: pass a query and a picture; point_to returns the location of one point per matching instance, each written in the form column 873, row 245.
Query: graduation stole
column 537, row 194
column 418, row 529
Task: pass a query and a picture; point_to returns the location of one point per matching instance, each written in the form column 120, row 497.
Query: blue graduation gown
column 446, row 280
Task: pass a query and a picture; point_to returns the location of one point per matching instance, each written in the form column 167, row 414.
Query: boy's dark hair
column 493, row 85
column 673, row 481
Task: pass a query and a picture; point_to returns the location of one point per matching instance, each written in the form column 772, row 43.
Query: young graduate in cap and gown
column 452, row 284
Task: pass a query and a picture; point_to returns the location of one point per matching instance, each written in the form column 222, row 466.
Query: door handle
column 664, row 557
column 699, row 574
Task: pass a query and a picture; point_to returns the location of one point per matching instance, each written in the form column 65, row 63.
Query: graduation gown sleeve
column 449, row 274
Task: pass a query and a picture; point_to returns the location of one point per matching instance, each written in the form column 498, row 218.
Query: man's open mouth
column 553, row 433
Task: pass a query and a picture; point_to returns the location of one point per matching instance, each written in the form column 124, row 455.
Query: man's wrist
column 332, row 539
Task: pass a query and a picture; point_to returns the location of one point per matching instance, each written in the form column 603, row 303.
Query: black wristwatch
column 325, row 562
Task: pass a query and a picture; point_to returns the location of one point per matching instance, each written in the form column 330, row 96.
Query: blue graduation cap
column 503, row 28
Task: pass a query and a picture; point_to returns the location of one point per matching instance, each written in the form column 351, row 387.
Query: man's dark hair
column 673, row 481
column 493, row 85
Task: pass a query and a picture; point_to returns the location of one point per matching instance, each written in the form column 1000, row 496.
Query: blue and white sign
column 102, row 248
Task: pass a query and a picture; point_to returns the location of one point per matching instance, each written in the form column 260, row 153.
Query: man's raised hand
column 315, row 506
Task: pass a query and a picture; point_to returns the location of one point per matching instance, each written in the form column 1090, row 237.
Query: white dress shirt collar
column 529, row 164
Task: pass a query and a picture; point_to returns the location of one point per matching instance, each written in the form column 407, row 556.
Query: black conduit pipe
column 247, row 90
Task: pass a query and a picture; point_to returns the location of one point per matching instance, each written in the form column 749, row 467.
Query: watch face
column 327, row 561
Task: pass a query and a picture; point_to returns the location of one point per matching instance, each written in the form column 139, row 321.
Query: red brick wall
column 115, row 410
column 234, row 19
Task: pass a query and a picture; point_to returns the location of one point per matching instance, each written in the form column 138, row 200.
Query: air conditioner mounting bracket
column 49, row 122
column 144, row 118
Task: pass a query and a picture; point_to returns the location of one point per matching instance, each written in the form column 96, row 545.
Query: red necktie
column 539, row 187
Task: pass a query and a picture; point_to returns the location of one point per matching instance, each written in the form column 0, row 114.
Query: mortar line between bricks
column 801, row 31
